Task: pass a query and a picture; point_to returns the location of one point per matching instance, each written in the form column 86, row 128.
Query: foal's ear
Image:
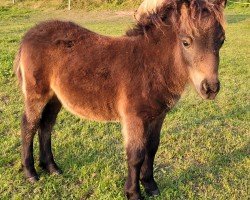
column 152, row 9
column 221, row 3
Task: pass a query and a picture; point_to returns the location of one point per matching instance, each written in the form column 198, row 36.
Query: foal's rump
column 63, row 59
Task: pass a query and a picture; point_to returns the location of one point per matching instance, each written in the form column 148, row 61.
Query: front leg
column 146, row 175
column 135, row 139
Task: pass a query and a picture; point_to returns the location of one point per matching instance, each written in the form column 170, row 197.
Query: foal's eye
column 186, row 43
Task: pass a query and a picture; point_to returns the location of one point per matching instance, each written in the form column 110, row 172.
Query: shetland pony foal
column 134, row 79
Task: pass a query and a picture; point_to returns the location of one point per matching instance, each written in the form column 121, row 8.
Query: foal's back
column 80, row 67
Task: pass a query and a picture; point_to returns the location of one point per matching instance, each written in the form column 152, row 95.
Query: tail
column 16, row 66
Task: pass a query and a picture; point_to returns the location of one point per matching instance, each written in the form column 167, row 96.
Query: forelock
column 192, row 15
column 205, row 14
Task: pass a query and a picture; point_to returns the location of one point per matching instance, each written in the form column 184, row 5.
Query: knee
column 135, row 154
column 28, row 123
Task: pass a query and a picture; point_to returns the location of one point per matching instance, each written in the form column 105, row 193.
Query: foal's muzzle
column 209, row 90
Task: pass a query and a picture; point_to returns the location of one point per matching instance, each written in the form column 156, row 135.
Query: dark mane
column 139, row 29
column 200, row 12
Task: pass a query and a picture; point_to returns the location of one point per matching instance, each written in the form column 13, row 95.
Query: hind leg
column 45, row 128
column 29, row 126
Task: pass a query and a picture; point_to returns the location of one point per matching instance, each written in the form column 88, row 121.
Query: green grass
column 75, row 4
column 96, row 4
column 205, row 145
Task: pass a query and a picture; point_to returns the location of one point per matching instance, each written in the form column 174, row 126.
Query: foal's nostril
column 204, row 87
column 215, row 87
column 209, row 88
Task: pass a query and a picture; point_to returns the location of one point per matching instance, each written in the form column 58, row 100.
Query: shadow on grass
column 86, row 151
column 231, row 19
column 195, row 175
column 219, row 115
column 198, row 174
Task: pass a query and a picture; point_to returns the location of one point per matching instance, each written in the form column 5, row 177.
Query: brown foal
column 133, row 79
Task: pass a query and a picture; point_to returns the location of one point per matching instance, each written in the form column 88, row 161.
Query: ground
column 205, row 145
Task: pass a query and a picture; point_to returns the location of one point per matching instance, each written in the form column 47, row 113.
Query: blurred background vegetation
column 94, row 4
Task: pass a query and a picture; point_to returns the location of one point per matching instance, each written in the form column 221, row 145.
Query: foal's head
column 198, row 25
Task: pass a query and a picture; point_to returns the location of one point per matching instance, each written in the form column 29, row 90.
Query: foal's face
column 201, row 53
column 200, row 47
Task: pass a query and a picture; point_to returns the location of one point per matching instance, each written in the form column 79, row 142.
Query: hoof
column 139, row 198
column 55, row 171
column 30, row 174
column 51, row 169
column 152, row 192
column 134, row 197
column 33, row 179
column 150, row 187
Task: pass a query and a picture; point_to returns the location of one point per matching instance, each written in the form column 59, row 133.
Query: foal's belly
column 97, row 105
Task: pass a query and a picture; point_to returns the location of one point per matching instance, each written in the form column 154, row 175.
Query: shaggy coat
column 134, row 79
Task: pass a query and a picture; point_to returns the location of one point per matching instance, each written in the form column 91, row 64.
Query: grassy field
column 205, row 145
column 88, row 5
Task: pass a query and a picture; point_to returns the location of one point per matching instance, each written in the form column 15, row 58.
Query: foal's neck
column 162, row 54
